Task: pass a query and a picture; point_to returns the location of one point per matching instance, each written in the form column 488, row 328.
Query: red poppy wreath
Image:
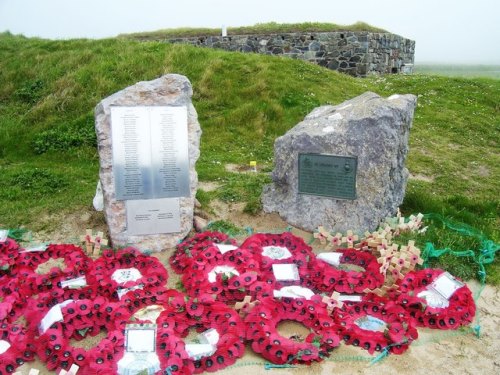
column 189, row 249
column 84, row 318
column 375, row 324
column 435, row 299
column 117, row 272
column 9, row 251
column 281, row 248
column 15, row 347
column 356, row 271
column 222, row 330
column 227, row 280
column 261, row 330
column 77, row 264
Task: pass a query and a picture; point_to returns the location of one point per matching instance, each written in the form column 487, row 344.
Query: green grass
column 460, row 70
column 260, row 28
column 49, row 163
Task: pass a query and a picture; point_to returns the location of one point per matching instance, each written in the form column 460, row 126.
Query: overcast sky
column 460, row 31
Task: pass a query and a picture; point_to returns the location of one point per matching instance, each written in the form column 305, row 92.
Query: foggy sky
column 456, row 31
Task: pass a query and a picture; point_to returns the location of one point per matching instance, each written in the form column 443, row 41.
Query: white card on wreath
column 276, row 252
column 75, row 283
column 224, row 248
column 4, row 346
column 445, row 284
column 35, row 249
column 330, row 258
column 140, row 338
column 286, row 272
column 124, row 275
column 210, row 336
column 293, row 291
column 54, row 315
column 198, row 351
column 3, row 235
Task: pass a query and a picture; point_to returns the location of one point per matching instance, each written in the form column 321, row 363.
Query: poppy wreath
column 460, row 311
column 375, row 324
column 9, row 252
column 139, row 298
column 226, row 286
column 152, row 272
column 328, row 278
column 21, row 348
column 300, row 253
column 83, row 318
column 183, row 313
column 30, row 282
column 198, row 244
column 261, row 329
column 10, row 299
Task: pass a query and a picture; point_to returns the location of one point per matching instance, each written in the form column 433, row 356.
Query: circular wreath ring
column 375, row 324
column 190, row 248
column 30, row 282
column 21, row 348
column 460, row 311
column 328, row 278
column 225, row 286
column 84, row 318
column 183, row 313
column 152, row 272
column 261, row 330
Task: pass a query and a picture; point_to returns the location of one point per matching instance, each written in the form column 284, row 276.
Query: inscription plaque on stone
column 328, row 175
column 153, row 216
column 150, row 152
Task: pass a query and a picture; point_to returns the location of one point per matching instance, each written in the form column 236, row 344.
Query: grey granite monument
column 343, row 167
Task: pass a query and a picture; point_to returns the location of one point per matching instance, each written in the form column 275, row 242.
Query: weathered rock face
column 373, row 129
column 169, row 90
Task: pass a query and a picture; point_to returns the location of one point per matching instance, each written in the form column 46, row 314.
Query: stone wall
column 355, row 53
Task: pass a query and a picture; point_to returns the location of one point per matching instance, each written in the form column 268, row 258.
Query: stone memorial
column 148, row 140
column 343, row 167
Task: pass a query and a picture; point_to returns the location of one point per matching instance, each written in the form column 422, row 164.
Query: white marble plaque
column 150, row 152
column 153, row 216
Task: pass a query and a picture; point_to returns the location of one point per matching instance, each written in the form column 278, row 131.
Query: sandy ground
column 435, row 352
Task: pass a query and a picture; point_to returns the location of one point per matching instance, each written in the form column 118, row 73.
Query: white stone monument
column 148, row 139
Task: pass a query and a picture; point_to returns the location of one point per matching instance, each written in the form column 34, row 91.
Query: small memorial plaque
column 153, row 216
column 328, row 175
column 150, row 152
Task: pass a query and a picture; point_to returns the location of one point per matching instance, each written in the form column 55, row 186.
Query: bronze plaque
column 328, row 175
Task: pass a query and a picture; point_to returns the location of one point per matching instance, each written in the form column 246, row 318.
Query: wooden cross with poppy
column 245, row 306
column 93, row 243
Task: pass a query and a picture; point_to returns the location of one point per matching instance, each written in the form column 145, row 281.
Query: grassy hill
column 260, row 28
column 49, row 163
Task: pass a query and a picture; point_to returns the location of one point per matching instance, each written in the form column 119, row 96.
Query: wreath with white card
column 200, row 248
column 219, row 344
column 436, row 299
column 76, row 320
column 33, row 280
column 284, row 248
column 127, row 269
column 346, row 271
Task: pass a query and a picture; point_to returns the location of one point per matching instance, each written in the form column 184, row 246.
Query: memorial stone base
column 148, row 140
